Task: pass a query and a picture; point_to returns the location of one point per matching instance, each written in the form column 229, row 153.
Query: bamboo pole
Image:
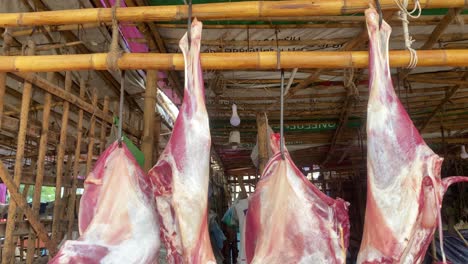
column 8, row 254
column 229, row 61
column 76, row 165
column 148, row 118
column 60, row 161
column 6, row 50
column 89, row 158
column 157, row 132
column 28, row 212
column 105, row 111
column 40, row 169
column 212, row 11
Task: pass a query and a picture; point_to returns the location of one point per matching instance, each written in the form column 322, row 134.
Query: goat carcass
column 404, row 188
column 117, row 219
column 180, row 177
column 290, row 220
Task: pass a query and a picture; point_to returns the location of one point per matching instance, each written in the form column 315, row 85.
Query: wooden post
column 157, row 132
column 105, row 110
column 76, row 165
column 6, row 50
column 28, row 212
column 263, row 141
column 8, row 255
column 40, row 170
column 60, row 161
column 89, row 158
column 148, row 118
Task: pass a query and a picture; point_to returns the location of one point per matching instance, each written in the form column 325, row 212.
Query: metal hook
column 282, row 116
column 189, row 23
column 121, row 104
column 379, row 10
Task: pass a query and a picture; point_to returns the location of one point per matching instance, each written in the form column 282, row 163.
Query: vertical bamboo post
column 68, row 167
column 76, row 164
column 104, row 125
column 157, row 131
column 8, row 255
column 40, row 169
column 60, row 162
column 262, row 137
column 6, row 50
column 89, row 158
column 148, row 118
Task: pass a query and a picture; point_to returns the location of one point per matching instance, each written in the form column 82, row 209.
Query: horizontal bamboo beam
column 229, row 61
column 212, row 11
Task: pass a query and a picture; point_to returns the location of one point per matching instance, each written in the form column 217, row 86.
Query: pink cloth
column 3, row 190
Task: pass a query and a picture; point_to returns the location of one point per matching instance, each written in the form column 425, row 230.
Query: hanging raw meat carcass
column 404, row 188
column 117, row 220
column 290, row 220
column 180, row 177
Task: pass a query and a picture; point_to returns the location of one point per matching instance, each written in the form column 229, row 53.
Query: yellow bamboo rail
column 212, row 11
column 229, row 61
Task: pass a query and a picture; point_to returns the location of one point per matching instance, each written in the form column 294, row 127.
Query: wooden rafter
column 75, row 100
column 446, row 99
column 105, row 75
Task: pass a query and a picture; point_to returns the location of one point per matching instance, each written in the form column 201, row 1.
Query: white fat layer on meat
column 292, row 203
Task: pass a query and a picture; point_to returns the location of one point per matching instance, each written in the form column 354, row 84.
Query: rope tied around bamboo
column 404, row 13
column 7, row 40
column 114, row 52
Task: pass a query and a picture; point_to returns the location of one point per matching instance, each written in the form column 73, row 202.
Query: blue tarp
column 455, row 250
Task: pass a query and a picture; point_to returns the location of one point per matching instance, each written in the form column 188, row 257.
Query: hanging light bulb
column 234, row 139
column 235, row 120
column 463, row 153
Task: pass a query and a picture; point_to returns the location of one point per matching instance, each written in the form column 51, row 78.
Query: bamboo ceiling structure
column 323, row 49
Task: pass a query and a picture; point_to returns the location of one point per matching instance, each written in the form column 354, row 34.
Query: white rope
column 402, row 5
column 404, row 13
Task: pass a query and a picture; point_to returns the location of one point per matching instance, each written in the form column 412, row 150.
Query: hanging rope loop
column 404, row 13
column 114, row 52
